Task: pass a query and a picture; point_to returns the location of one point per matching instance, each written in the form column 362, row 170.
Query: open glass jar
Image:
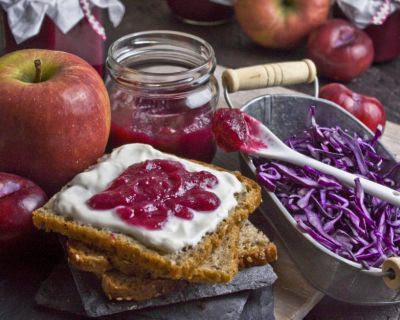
column 163, row 92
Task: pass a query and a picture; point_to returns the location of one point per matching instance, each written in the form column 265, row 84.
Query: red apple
column 340, row 50
column 386, row 38
column 18, row 198
column 280, row 24
column 367, row 109
column 54, row 116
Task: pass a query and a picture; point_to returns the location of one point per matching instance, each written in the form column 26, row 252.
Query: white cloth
column 365, row 12
column 25, row 17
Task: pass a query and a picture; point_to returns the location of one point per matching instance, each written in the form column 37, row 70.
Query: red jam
column 148, row 193
column 230, row 129
column 166, row 123
column 235, row 130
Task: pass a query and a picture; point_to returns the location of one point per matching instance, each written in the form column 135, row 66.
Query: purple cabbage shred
column 354, row 225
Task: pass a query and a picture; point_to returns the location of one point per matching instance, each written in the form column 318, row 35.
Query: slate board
column 59, row 292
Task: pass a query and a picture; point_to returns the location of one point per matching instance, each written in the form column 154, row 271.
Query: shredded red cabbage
column 356, row 226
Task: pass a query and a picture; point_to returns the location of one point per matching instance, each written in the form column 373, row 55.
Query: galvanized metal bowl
column 335, row 276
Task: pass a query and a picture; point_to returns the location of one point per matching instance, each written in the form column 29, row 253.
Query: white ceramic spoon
column 261, row 142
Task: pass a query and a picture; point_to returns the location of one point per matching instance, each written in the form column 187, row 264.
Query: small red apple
column 367, row 109
column 18, row 198
column 280, row 24
column 54, row 116
column 340, row 50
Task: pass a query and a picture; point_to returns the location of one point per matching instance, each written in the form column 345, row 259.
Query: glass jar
column 51, row 37
column 386, row 38
column 163, row 92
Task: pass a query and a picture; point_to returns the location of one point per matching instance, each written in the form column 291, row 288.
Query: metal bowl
column 333, row 275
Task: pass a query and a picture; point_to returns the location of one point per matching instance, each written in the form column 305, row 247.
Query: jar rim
column 129, row 75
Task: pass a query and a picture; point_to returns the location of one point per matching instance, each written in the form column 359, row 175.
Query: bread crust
column 118, row 286
column 129, row 282
column 176, row 265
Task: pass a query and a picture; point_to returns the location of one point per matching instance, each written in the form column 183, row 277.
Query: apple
column 18, row 198
column 386, row 38
column 340, row 50
column 54, row 116
column 280, row 24
column 368, row 110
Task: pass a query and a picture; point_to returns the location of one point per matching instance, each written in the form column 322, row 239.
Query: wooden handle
column 392, row 264
column 269, row 75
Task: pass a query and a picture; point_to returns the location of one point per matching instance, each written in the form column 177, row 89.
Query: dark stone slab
column 59, row 292
column 96, row 303
column 259, row 305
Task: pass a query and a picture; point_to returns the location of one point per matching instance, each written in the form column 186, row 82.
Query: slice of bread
column 118, row 286
column 254, row 247
column 221, row 266
column 177, row 265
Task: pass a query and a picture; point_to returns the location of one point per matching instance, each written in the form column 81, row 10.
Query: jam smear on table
column 146, row 194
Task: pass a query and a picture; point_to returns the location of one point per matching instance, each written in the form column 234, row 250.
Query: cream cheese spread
column 177, row 233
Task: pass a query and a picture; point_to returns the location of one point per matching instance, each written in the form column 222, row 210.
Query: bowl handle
column 269, row 75
column 392, row 265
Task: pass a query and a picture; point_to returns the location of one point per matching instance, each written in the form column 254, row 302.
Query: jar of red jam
column 163, row 92
column 51, row 37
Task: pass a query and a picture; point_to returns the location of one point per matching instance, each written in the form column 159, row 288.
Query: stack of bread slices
column 130, row 270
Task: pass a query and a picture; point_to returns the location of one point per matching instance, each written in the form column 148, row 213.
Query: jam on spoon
column 235, row 130
column 146, row 194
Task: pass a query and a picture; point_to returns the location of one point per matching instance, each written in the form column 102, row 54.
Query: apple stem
column 38, row 67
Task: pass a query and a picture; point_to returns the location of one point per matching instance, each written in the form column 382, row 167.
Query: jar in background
column 163, row 92
column 81, row 40
column 386, row 38
column 201, row 12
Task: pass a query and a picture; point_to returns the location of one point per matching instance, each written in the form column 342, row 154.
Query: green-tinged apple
column 54, row 116
column 280, row 24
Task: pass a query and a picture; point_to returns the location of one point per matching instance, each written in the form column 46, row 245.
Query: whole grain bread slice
column 254, row 248
column 177, row 265
column 118, row 286
column 221, row 266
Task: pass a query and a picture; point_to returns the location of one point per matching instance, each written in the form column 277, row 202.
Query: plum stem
column 38, row 67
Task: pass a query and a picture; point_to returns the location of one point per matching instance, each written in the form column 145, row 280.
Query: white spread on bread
column 177, row 233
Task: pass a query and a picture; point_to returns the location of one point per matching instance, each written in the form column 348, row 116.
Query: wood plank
column 391, row 138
